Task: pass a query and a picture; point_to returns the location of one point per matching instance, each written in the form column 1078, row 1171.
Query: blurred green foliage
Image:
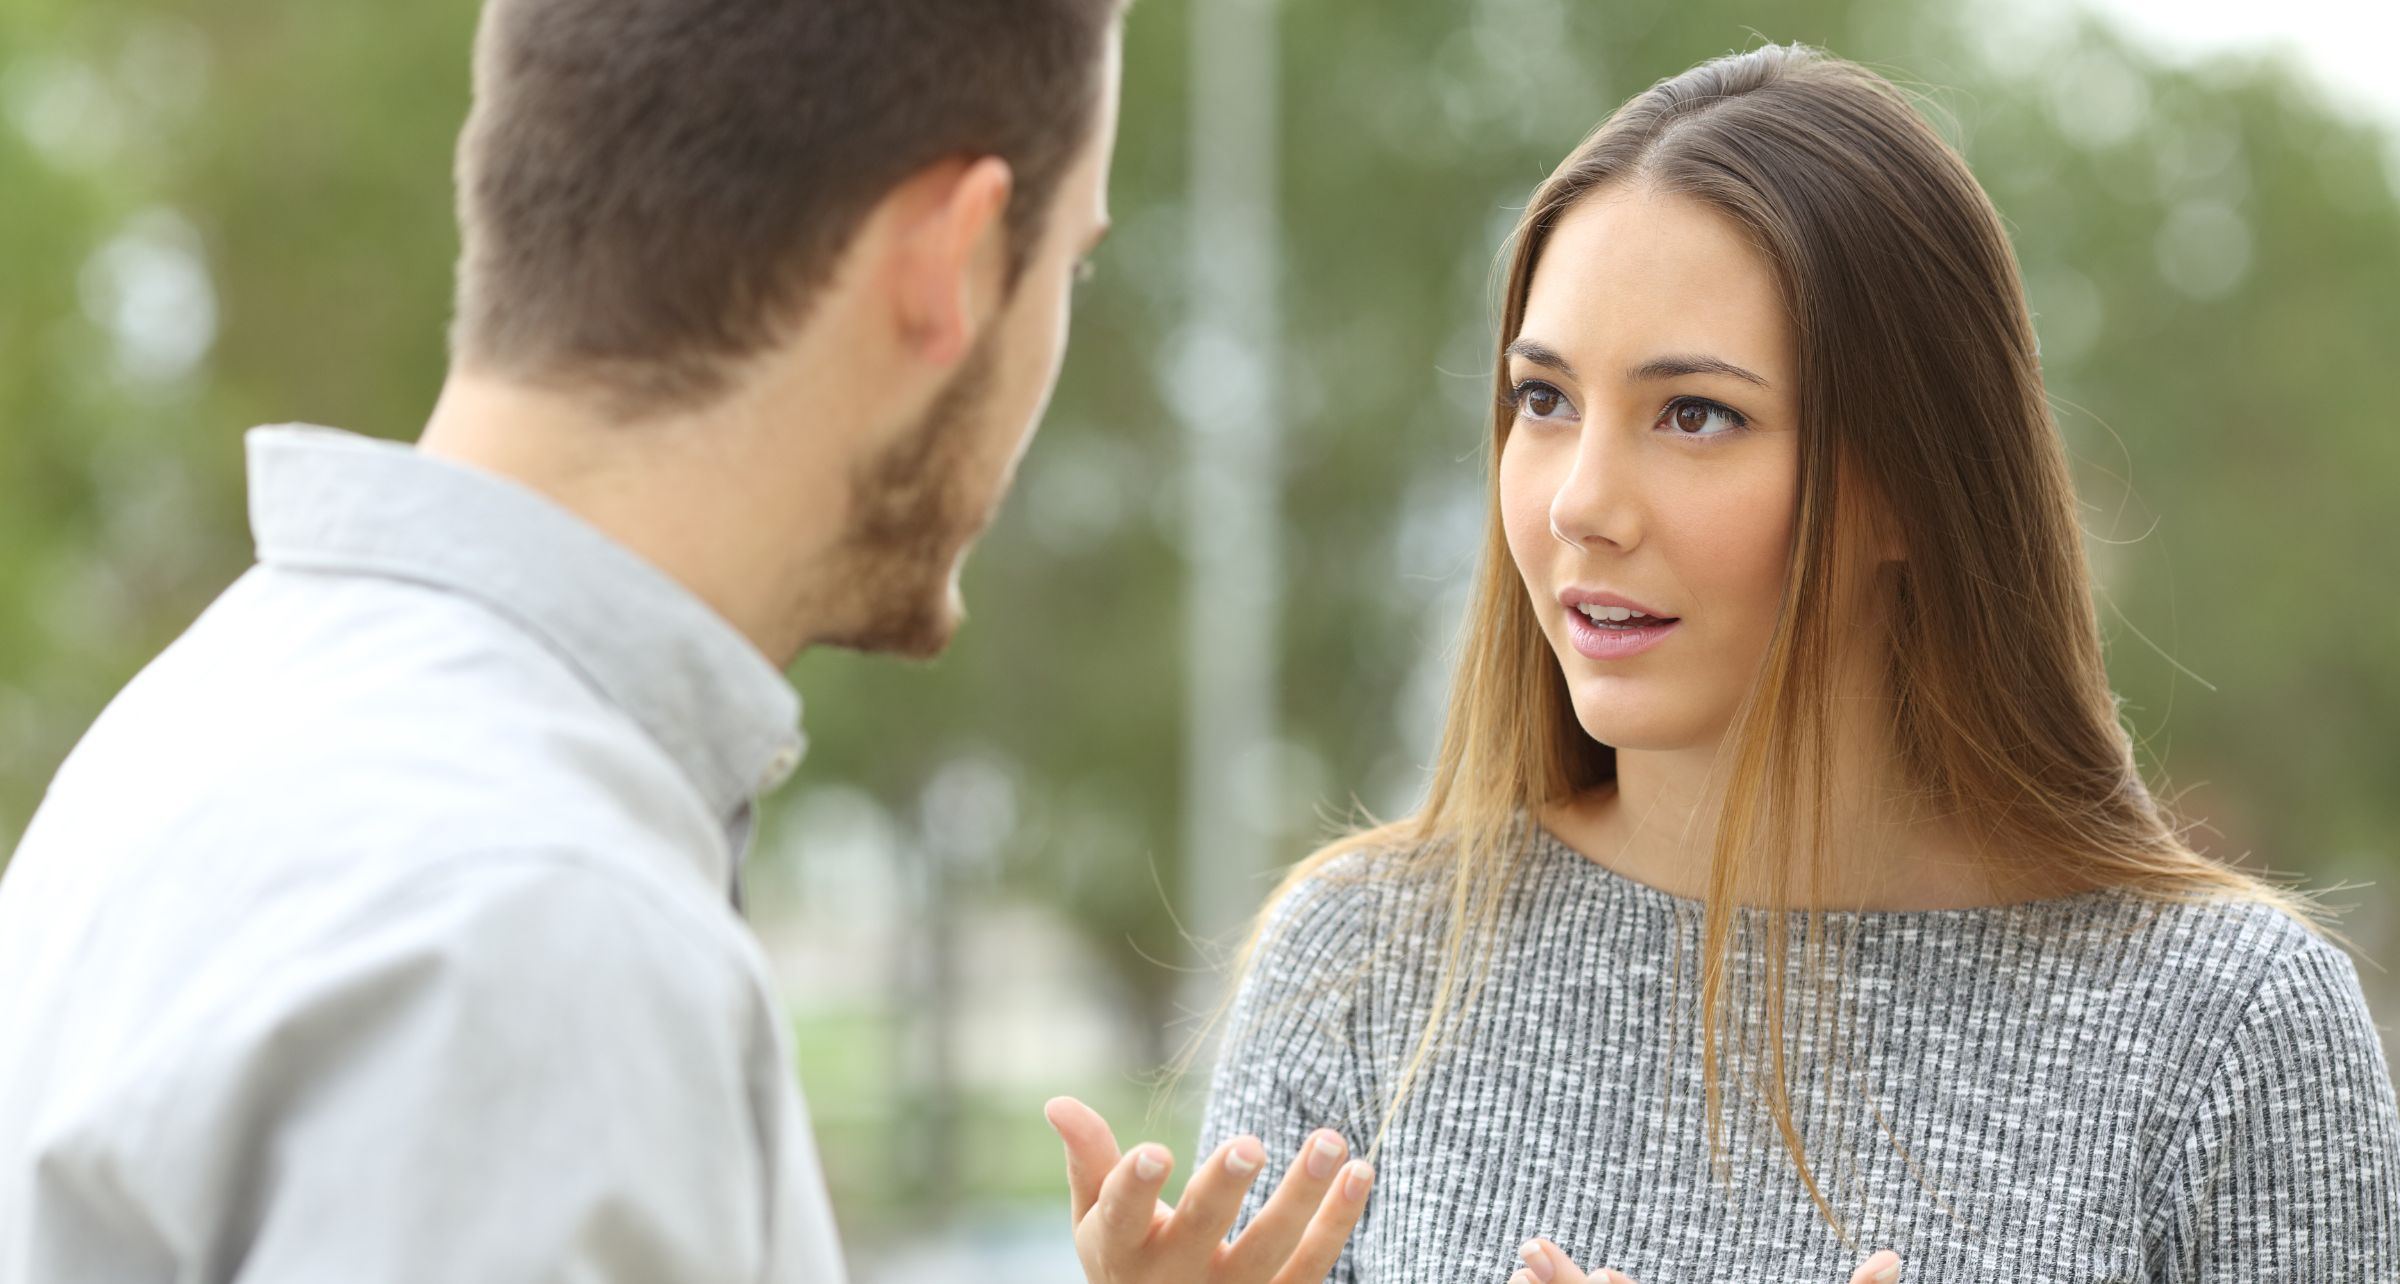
column 2213, row 254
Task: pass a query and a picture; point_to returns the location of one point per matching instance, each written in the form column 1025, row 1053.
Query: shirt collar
column 334, row 501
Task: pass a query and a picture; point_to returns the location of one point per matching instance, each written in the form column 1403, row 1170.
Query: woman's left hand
column 1546, row 1263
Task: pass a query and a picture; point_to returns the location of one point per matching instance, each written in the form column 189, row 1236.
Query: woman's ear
column 1890, row 544
column 1868, row 519
column 1884, row 537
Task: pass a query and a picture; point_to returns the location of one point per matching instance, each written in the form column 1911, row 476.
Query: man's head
column 850, row 226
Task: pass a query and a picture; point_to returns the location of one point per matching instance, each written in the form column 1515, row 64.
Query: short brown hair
column 649, row 189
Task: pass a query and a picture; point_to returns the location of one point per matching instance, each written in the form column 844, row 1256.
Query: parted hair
column 650, row 190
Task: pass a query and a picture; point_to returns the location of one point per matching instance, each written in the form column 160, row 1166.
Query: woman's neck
column 1657, row 824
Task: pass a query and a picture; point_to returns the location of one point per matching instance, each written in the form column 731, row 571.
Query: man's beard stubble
column 887, row 586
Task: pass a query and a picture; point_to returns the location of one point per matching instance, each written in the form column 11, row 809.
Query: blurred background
column 1215, row 621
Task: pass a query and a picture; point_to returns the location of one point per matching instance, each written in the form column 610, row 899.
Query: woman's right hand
column 1125, row 1234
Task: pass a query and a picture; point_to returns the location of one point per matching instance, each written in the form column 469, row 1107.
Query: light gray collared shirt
column 380, row 930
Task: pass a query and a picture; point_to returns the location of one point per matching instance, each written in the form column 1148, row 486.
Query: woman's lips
column 1596, row 642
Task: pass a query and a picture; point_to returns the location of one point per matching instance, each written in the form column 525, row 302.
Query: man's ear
column 949, row 254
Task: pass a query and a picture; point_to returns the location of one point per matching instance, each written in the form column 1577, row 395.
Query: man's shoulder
column 314, row 671
column 310, row 718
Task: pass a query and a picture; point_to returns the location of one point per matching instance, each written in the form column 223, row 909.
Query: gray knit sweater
column 2084, row 1089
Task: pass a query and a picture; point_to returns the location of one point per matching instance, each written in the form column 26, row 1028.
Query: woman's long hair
column 1921, row 411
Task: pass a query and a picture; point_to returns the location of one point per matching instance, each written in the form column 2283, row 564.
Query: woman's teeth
column 1617, row 615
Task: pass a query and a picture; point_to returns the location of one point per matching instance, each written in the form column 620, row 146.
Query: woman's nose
column 1599, row 500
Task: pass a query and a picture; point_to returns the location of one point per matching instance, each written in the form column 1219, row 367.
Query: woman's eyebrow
column 1676, row 366
column 1656, row 368
column 1540, row 354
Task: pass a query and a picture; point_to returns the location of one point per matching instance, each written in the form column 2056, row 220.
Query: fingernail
column 1325, row 1155
column 1362, row 1175
column 1536, row 1260
column 1889, row 1274
column 1244, row 1158
column 1148, row 1164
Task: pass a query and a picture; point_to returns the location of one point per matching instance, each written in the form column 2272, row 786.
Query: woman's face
column 1653, row 463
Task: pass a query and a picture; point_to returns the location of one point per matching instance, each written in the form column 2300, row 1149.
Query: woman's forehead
column 1629, row 273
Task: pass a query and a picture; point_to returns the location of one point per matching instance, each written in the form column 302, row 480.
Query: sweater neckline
column 1548, row 843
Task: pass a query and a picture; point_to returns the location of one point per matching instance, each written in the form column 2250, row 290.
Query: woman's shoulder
column 2282, row 1105
column 2232, row 967
column 1352, row 898
column 1371, row 875
column 2235, row 940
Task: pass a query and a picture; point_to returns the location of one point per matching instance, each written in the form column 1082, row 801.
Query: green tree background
column 217, row 216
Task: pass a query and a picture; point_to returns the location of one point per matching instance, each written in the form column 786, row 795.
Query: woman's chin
column 1638, row 730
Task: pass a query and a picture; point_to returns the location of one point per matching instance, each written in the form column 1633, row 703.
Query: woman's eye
column 1694, row 417
column 1537, row 400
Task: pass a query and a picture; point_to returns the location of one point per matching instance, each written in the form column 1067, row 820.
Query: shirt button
column 786, row 761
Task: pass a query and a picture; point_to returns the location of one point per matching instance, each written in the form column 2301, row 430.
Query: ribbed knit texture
column 2084, row 1089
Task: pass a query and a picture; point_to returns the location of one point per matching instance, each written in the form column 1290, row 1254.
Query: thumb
column 1882, row 1268
column 1091, row 1150
column 1547, row 1263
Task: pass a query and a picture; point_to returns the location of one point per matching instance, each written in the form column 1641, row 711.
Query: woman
column 1787, row 888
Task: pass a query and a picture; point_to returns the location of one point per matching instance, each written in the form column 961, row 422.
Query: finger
column 1547, row 1263
column 1091, row 1150
column 1321, row 1244
column 1882, row 1268
column 1270, row 1237
column 1213, row 1198
column 1128, row 1207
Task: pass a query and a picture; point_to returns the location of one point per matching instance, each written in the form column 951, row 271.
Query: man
column 386, row 927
